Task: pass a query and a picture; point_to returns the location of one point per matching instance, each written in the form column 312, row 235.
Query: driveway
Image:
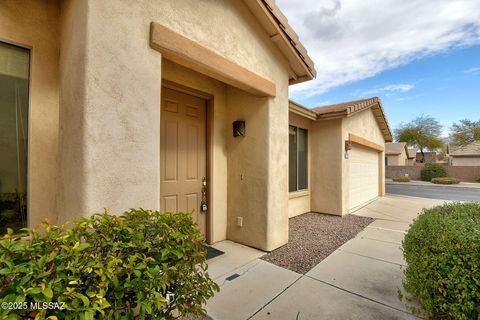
column 456, row 193
column 360, row 280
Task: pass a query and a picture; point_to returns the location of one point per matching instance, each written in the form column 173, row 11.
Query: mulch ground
column 313, row 237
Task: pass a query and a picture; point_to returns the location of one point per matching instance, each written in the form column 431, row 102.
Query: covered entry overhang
column 246, row 197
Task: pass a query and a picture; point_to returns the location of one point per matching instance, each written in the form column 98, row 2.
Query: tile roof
column 284, row 37
column 472, row 149
column 412, row 153
column 395, row 148
column 346, row 109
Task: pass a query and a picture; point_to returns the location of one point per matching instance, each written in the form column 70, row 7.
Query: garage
column 346, row 149
column 364, row 175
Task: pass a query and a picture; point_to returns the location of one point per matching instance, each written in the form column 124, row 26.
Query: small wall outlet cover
column 239, row 221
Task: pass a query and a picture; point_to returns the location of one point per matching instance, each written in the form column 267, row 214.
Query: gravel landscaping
column 313, row 237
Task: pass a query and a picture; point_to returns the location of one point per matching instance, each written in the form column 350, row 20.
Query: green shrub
column 442, row 251
column 401, row 179
column 478, row 180
column 446, row 180
column 432, row 170
column 108, row 267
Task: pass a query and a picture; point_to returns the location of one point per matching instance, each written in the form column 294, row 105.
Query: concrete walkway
column 360, row 280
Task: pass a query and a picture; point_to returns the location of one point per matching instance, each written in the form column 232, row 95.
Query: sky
column 421, row 57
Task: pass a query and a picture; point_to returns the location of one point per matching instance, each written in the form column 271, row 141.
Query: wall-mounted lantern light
column 348, row 145
column 239, row 128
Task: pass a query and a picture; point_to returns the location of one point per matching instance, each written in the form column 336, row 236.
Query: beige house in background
column 468, row 155
column 412, row 154
column 396, row 154
column 345, row 161
column 126, row 104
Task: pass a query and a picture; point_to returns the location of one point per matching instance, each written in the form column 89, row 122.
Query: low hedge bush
column 446, row 180
column 401, row 179
column 442, row 251
column 432, row 170
column 478, row 180
column 140, row 265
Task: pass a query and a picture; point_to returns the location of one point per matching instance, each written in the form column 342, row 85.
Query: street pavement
column 442, row 192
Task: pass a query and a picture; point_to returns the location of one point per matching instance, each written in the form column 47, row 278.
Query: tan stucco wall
column 299, row 202
column 326, row 166
column 465, row 161
column 34, row 24
column 365, row 125
column 112, row 123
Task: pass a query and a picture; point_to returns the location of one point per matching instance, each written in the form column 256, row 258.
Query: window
column 298, row 159
column 14, row 82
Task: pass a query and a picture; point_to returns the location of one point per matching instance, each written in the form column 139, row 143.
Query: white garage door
column 364, row 181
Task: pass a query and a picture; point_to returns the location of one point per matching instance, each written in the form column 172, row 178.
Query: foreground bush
column 401, row 179
column 446, row 181
column 442, row 251
column 108, row 267
column 432, row 170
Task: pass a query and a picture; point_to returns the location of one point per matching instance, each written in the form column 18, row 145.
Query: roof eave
column 269, row 17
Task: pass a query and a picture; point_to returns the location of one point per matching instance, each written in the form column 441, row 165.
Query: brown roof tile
column 472, row 149
column 412, row 153
column 290, row 38
column 346, row 109
column 395, row 148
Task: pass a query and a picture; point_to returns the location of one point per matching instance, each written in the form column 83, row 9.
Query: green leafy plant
column 478, row 180
column 140, row 265
column 442, row 251
column 432, row 170
column 401, row 179
column 446, row 180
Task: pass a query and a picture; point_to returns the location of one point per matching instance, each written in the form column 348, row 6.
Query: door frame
column 208, row 142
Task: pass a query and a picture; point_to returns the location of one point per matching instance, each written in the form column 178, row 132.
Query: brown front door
column 182, row 154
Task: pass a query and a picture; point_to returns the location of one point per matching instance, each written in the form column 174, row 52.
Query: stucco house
column 121, row 104
column 412, row 154
column 396, row 154
column 426, row 157
column 345, row 158
column 468, row 155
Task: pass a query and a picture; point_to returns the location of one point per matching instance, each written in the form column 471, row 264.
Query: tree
column 422, row 132
column 465, row 132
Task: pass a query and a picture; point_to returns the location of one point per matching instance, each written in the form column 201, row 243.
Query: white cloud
column 472, row 70
column 350, row 40
column 392, row 88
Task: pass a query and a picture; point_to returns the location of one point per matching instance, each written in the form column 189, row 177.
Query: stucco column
column 109, row 111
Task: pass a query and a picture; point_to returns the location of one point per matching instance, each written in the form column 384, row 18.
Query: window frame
column 307, row 159
column 31, row 53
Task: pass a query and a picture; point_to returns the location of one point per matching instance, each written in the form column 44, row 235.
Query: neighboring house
column 336, row 156
column 125, row 104
column 412, row 154
column 430, row 157
column 396, row 154
column 468, row 155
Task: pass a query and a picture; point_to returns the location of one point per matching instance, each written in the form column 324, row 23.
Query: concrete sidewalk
column 360, row 280
column 470, row 185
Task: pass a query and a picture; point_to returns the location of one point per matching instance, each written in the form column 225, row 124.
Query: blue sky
column 445, row 86
column 419, row 57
